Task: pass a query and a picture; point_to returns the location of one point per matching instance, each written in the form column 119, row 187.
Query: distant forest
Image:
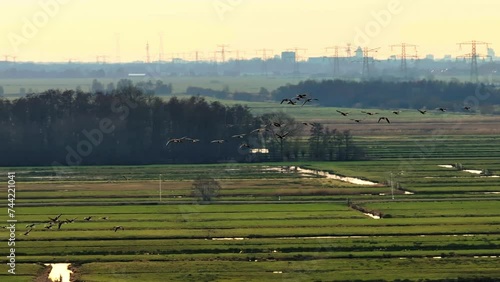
column 127, row 126
column 453, row 95
column 430, row 94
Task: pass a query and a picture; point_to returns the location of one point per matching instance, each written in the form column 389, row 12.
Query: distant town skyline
column 82, row 30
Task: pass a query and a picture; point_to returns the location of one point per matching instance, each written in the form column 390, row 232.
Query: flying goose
column 301, row 96
column 185, row 138
column 467, row 108
column 343, row 113
column 245, row 145
column 88, row 218
column 289, row 101
column 441, row 109
column 422, row 111
column 30, row 225
column 60, row 224
column 369, row 113
column 238, row 135
column 116, row 228
column 263, row 129
column 55, row 219
column 218, row 141
column 281, row 136
column 277, row 124
column 382, row 118
column 28, row 232
column 174, row 140
column 309, row 100
column 356, row 120
column 396, row 112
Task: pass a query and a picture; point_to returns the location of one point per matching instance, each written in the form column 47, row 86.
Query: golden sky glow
column 56, row 30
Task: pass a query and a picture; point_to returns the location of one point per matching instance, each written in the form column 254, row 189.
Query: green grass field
column 271, row 222
column 267, row 225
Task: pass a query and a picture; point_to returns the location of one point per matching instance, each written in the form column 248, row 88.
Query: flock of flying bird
column 396, row 112
column 298, row 99
column 236, row 136
column 56, row 221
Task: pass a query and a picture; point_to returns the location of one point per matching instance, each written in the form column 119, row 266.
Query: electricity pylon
column 404, row 55
column 366, row 60
column 474, row 77
column 336, row 60
column 264, row 56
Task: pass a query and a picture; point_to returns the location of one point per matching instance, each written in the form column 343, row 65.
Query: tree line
column 128, row 126
column 453, row 95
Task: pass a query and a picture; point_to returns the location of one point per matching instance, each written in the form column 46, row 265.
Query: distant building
column 358, row 53
column 318, row 60
column 447, row 57
column 491, row 53
column 429, row 57
column 288, row 56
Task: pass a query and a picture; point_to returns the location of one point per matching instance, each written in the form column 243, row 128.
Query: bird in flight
column 467, row 108
column 218, row 141
column 422, row 111
column 28, row 232
column 104, row 218
column 259, row 130
column 289, row 101
column 87, row 218
column 343, row 113
column 239, row 135
column 301, row 96
column 281, row 136
column 369, row 113
column 174, row 140
column 244, row 145
column 60, row 224
column 441, row 109
column 55, row 219
column 30, row 225
column 396, row 112
column 307, row 123
column 308, row 100
column 118, row 227
column 71, row 220
column 356, row 120
column 382, row 118
column 277, row 124
column 189, row 139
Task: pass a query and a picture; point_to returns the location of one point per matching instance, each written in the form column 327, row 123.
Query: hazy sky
column 56, row 30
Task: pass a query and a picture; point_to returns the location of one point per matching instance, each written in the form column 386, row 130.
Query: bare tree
column 206, row 188
column 282, row 127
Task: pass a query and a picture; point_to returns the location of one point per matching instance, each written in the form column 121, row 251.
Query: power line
column 474, row 76
column 147, row 53
column 223, row 51
column 263, row 52
column 404, row 55
column 336, row 60
column 366, row 60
